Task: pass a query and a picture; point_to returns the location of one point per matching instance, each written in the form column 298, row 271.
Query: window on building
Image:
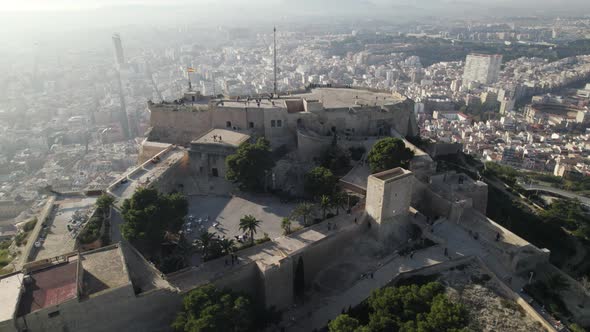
column 279, row 123
column 53, row 314
column 227, row 124
column 251, row 124
column 273, row 123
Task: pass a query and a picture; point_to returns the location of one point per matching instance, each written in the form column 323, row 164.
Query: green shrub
column 30, row 225
column 21, row 238
column 5, row 258
column 92, row 230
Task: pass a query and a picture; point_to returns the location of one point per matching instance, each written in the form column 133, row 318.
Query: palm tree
column 286, row 225
column 303, row 210
column 206, row 241
column 228, row 246
column 339, row 200
column 325, row 204
column 249, row 224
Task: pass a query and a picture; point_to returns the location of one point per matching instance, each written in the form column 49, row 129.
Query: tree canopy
column 410, row 308
column 104, row 202
column 320, row 181
column 343, row 323
column 148, row 215
column 249, row 165
column 387, row 153
column 208, row 309
column 570, row 214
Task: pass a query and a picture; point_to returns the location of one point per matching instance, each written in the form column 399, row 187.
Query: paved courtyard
column 58, row 240
column 225, row 212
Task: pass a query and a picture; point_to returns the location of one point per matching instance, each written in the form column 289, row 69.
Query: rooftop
column 222, row 136
column 49, row 286
column 392, row 174
column 10, row 288
column 345, row 98
column 104, row 268
column 244, row 103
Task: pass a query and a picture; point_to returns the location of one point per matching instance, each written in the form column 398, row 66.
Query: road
column 556, row 191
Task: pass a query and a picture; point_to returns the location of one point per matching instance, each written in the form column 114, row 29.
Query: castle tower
column 388, row 199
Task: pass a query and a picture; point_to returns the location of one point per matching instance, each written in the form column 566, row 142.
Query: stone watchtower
column 388, row 200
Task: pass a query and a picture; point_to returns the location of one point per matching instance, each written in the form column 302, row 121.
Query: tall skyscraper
column 120, row 62
column 482, row 68
column 119, row 58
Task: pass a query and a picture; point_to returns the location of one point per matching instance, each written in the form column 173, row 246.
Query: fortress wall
column 318, row 254
column 168, row 181
column 480, row 197
column 428, row 202
column 278, row 284
column 443, row 149
column 277, row 136
column 400, row 118
column 236, row 116
column 153, row 311
column 245, row 278
column 309, row 146
column 178, row 127
column 148, row 150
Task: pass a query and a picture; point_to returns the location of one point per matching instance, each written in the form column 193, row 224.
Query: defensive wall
column 267, row 271
column 41, row 219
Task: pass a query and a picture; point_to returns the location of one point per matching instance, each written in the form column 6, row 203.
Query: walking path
column 556, row 191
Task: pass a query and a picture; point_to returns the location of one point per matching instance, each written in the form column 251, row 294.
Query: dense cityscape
column 161, row 168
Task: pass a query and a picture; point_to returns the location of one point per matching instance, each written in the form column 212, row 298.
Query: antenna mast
column 275, row 59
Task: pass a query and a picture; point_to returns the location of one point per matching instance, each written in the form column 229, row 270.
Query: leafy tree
column 148, row 215
column 335, row 159
column 343, row 323
column 576, row 328
column 303, row 210
column 444, row 315
column 249, row 165
column 557, row 283
column 325, row 204
column 320, row 181
column 249, row 224
column 569, row 214
column 207, row 309
column 286, row 225
column 389, row 153
column 103, row 203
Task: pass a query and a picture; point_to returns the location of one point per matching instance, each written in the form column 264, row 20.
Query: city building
column 482, row 68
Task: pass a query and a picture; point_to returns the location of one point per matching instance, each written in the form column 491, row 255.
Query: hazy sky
column 29, row 5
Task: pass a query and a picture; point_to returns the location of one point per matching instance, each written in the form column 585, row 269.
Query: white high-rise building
column 482, row 68
column 119, row 58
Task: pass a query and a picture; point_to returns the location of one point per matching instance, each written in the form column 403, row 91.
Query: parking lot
column 221, row 215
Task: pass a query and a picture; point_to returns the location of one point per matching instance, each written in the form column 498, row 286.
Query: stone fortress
column 190, row 139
